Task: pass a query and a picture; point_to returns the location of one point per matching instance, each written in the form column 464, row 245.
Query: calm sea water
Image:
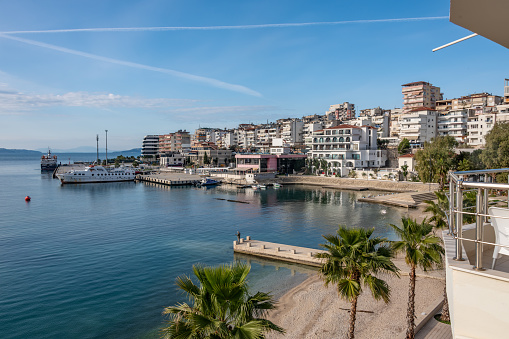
column 100, row 260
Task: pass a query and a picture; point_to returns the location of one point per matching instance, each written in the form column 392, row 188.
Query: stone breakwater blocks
column 278, row 249
column 241, row 240
column 293, row 251
column 263, row 247
column 248, row 237
column 234, row 243
column 248, row 244
column 310, row 254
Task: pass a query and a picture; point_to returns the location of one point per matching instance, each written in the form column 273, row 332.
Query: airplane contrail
column 209, row 81
column 213, row 28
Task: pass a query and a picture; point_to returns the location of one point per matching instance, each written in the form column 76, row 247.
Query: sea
column 100, row 260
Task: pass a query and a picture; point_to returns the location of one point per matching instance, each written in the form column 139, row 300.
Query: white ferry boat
column 48, row 162
column 95, row 174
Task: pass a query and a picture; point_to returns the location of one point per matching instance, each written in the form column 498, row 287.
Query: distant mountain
column 19, row 152
column 88, row 149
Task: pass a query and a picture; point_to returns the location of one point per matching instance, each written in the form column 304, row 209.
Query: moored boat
column 277, row 185
column 48, row 162
column 97, row 174
column 209, row 182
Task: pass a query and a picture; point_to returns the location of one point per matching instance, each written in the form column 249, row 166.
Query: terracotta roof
column 410, row 155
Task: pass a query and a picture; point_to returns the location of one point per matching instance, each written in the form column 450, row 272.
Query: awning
column 487, row 18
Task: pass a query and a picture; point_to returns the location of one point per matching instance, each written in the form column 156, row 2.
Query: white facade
column 453, row 123
column 418, row 126
column 175, row 159
column 292, row 131
column 480, row 125
column 346, row 147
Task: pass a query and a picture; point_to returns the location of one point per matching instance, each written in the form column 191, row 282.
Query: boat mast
column 106, row 147
column 97, row 138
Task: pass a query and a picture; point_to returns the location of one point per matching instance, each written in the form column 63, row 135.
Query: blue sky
column 60, row 89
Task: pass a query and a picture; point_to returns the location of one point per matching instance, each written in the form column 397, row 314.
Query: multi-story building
column 172, row 159
column 150, row 146
column 418, row 126
column 453, row 123
column 344, row 111
column 394, row 126
column 174, row 142
column 265, row 133
column 292, row 131
column 346, row 147
column 467, row 118
column 506, row 91
column 419, row 94
column 376, row 117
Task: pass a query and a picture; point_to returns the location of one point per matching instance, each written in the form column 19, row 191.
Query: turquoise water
column 100, row 260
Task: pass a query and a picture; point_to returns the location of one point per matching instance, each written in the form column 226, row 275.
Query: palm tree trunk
column 410, row 315
column 353, row 313
column 445, row 308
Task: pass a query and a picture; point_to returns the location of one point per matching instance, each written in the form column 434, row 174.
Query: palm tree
column 220, row 306
column 354, row 259
column 422, row 249
column 438, row 209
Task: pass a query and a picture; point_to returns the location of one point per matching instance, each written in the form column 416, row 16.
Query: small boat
column 277, row 185
column 255, row 187
column 262, row 186
column 96, row 174
column 48, row 162
column 209, row 182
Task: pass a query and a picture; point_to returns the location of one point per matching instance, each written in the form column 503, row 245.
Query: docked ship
column 48, row 162
column 96, row 174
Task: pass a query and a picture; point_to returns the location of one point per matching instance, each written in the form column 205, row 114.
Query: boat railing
column 459, row 183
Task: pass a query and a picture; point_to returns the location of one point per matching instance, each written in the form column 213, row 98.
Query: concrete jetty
column 170, row 179
column 295, row 254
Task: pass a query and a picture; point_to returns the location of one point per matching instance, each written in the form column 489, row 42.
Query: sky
column 69, row 70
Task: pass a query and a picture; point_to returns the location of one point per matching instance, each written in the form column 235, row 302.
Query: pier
column 270, row 250
column 170, row 178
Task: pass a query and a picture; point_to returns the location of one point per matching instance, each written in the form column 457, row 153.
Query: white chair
column 501, row 227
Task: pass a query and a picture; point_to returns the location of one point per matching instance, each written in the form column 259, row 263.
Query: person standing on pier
column 238, row 236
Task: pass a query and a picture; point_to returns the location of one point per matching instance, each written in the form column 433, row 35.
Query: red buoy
column 27, row 198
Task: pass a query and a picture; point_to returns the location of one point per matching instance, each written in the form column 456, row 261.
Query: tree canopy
column 404, row 146
column 496, row 153
column 435, row 160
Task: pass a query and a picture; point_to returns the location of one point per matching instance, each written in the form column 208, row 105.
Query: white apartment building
column 346, row 147
column 480, row 125
column 230, row 139
column 380, row 122
column 454, row 124
column 265, row 133
column 418, row 126
column 174, row 159
column 292, row 131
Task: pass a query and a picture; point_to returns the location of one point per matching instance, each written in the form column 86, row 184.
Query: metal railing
column 462, row 181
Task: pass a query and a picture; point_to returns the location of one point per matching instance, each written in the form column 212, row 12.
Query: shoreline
column 311, row 310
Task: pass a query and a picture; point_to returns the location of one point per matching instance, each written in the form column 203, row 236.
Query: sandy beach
column 311, row 310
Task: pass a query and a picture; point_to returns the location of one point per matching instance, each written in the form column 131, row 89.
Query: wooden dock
column 295, row 254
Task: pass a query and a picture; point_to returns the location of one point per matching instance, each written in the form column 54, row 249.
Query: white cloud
column 14, row 102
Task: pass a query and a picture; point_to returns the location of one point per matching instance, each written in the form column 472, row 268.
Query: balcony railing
column 458, row 184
